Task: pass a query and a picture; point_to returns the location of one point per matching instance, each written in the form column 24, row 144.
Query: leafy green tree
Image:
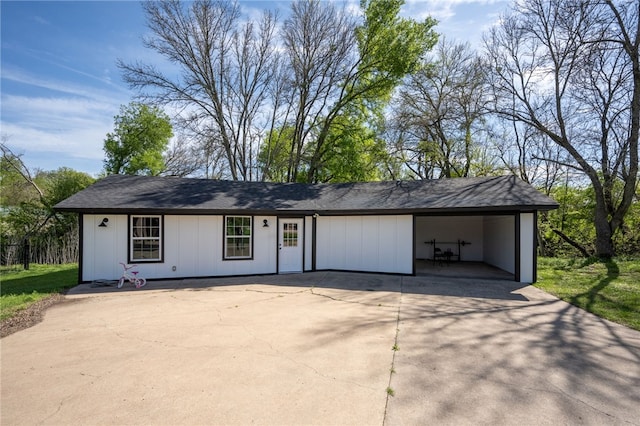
column 627, row 239
column 353, row 152
column 338, row 64
column 569, row 230
column 26, row 211
column 273, row 157
column 14, row 186
column 140, row 137
column 63, row 183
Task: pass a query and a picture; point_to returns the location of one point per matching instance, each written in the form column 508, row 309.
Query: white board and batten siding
column 527, row 247
column 384, row 243
column 103, row 247
column 499, row 242
column 365, row 243
column 192, row 244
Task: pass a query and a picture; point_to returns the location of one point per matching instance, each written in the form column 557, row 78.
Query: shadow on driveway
column 425, row 284
column 316, row 348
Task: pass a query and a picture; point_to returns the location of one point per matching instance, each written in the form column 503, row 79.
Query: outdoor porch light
column 104, row 222
column 265, row 223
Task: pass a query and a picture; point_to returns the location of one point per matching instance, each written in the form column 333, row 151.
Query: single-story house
column 185, row 228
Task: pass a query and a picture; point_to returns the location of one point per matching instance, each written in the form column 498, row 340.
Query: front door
column 290, row 243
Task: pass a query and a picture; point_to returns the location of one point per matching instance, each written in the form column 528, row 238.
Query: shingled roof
column 168, row 195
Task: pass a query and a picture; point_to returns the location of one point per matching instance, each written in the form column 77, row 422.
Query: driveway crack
column 337, row 299
column 395, row 348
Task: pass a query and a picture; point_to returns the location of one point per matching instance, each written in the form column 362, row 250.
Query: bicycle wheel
column 140, row 282
column 121, row 282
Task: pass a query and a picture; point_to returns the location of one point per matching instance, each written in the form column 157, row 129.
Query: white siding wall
column 499, row 242
column 193, row 244
column 527, row 247
column 103, row 247
column 365, row 243
column 450, row 229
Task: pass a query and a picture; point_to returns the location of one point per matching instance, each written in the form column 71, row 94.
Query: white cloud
column 72, row 127
column 41, row 20
column 16, row 75
column 69, row 124
column 459, row 20
column 74, row 142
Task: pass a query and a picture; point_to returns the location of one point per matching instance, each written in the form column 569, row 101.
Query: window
column 237, row 237
column 146, row 238
column 290, row 235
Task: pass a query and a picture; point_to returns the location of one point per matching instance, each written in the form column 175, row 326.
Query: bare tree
column 339, row 63
column 181, row 159
column 440, row 112
column 14, row 162
column 572, row 67
column 322, row 53
column 527, row 153
column 225, row 72
column 235, row 90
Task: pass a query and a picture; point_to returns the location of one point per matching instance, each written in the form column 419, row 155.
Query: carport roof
column 169, row 195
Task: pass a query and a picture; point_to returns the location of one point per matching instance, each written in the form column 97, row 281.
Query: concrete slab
column 455, row 270
column 227, row 354
column 316, row 348
column 487, row 352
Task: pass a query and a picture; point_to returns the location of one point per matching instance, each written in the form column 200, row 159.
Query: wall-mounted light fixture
column 104, row 222
column 265, row 223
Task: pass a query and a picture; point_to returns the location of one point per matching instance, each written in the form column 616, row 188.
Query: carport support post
column 314, row 225
column 535, row 246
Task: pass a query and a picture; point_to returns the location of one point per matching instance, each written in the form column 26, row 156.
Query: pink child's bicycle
column 131, row 276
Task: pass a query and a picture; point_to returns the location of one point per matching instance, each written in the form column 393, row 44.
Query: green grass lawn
column 610, row 289
column 19, row 288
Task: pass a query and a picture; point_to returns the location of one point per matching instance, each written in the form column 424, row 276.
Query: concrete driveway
column 317, row 348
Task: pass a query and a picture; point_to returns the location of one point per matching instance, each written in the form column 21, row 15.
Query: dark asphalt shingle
column 117, row 193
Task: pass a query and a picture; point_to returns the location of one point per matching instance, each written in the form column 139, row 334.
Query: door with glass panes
column 290, row 243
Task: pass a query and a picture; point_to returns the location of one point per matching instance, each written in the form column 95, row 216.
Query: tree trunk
column 604, row 234
column 571, row 242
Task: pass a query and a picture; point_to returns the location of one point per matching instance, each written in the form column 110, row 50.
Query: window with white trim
column 238, row 231
column 145, row 238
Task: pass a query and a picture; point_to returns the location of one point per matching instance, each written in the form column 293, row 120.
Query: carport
column 474, row 245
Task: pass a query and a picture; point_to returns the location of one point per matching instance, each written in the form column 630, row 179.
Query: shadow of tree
column 470, row 351
column 492, row 353
column 613, row 272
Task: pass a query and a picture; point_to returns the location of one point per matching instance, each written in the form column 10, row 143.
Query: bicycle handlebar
column 124, row 266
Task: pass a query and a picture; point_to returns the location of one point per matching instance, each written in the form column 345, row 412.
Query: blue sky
column 60, row 87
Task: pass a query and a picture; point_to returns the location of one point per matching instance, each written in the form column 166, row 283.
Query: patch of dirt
column 29, row 316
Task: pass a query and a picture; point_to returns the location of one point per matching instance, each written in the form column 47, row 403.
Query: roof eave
column 298, row 212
